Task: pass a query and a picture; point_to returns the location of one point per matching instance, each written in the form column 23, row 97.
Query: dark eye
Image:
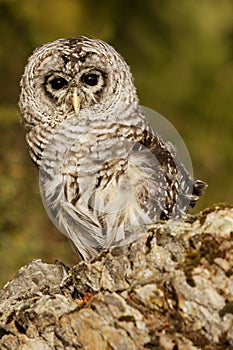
column 90, row 79
column 58, row 83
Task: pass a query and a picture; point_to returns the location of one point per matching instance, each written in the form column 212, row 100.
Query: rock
column 170, row 289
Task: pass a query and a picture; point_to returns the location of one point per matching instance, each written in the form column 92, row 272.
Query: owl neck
column 89, row 121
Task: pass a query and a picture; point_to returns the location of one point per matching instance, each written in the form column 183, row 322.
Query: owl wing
column 181, row 189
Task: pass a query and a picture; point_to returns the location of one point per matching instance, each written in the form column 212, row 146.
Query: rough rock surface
column 172, row 289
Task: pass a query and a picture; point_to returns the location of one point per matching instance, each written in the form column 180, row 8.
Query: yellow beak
column 76, row 101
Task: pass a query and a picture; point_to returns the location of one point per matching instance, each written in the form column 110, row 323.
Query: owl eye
column 90, row 79
column 58, row 83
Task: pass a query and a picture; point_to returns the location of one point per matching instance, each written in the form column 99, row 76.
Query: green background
column 180, row 53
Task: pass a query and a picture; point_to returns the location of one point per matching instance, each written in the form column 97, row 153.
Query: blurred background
column 180, row 53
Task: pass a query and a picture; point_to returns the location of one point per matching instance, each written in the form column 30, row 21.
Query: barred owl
column 104, row 173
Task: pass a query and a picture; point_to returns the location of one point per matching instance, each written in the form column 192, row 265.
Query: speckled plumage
column 103, row 170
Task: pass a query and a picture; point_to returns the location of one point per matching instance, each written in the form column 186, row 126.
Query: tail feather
column 199, row 188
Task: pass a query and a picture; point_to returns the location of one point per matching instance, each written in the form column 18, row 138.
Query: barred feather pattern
column 104, row 173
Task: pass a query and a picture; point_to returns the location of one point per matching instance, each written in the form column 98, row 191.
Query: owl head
column 67, row 76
